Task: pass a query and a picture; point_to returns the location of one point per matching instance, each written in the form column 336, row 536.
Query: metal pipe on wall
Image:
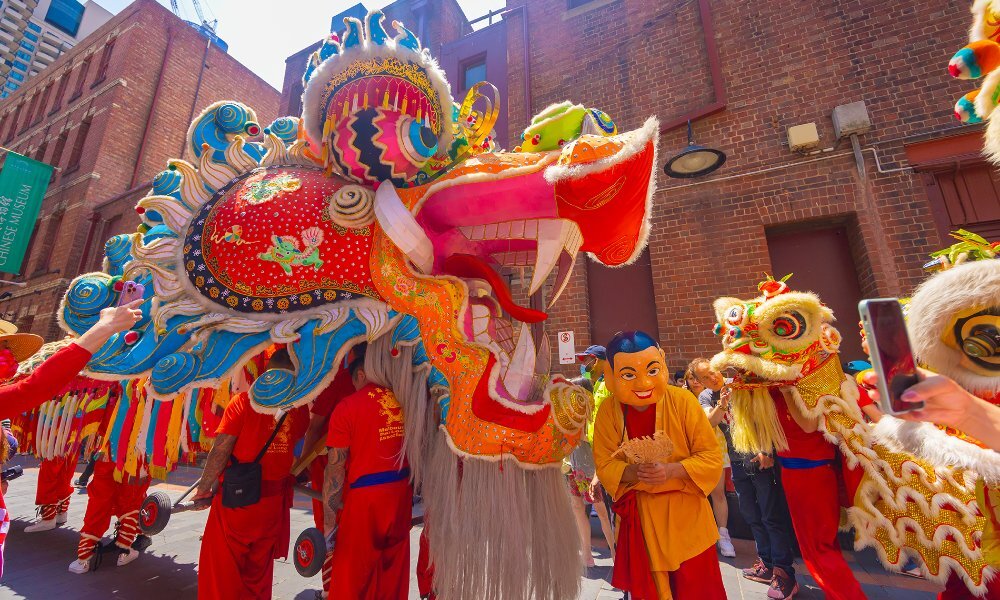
column 152, row 107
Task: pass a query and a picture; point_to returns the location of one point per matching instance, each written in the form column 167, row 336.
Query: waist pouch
column 241, row 482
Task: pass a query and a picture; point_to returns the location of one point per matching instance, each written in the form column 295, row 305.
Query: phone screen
column 894, row 354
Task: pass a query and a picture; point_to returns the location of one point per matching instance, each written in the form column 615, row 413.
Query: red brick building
column 744, row 73
column 108, row 114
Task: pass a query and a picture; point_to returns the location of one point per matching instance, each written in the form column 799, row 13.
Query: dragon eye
column 734, row 316
column 789, row 325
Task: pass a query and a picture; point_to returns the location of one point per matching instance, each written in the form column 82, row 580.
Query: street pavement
column 36, row 564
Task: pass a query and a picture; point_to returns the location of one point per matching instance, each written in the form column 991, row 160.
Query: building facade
column 743, row 74
column 108, row 114
column 34, row 33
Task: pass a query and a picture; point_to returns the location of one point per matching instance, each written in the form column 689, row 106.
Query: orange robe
column 676, row 517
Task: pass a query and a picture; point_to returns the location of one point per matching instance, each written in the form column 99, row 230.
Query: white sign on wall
column 567, row 348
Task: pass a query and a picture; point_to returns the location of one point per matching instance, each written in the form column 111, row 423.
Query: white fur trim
column 937, row 447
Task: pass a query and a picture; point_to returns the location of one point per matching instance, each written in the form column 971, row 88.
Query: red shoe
column 759, row 572
column 783, row 585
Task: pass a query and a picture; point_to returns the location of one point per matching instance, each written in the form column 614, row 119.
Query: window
column 577, row 3
column 18, row 76
column 3, row 94
column 102, row 67
column 29, row 112
column 23, row 56
column 13, row 123
column 35, row 28
column 81, row 139
column 27, row 45
column 42, row 104
column 57, row 153
column 65, row 15
column 31, row 244
column 51, row 235
column 29, row 35
column 473, row 72
column 4, row 120
column 60, row 92
column 40, row 153
column 84, row 67
column 12, row 86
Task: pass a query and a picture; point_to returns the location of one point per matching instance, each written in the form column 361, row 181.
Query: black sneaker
column 783, row 585
column 759, row 572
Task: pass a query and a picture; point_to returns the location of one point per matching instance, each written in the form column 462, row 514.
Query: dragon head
column 375, row 215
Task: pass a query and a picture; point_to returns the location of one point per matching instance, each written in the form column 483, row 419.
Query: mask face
column 639, row 379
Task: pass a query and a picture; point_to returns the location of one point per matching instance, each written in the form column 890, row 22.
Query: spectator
column 714, row 399
column 692, row 384
column 584, row 486
column 757, row 480
column 241, row 541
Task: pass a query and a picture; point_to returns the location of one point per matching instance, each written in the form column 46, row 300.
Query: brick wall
column 128, row 117
column 781, row 67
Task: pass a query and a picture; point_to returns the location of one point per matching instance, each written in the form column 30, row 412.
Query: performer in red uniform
column 108, row 498
column 240, row 545
column 367, row 494
column 319, row 424
column 55, row 476
column 809, row 476
column 53, row 374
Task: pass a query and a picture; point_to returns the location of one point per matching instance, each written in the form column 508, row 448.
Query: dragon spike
column 405, row 38
column 330, row 47
column 310, row 68
column 354, row 35
column 376, row 32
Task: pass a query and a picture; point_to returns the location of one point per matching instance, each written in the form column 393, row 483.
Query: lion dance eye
column 734, row 316
column 789, row 325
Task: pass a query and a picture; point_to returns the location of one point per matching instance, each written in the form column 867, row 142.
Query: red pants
column 815, row 509
column 371, row 557
column 425, row 567
column 955, row 589
column 697, row 577
column 317, row 470
column 107, row 498
column 238, row 549
column 55, row 487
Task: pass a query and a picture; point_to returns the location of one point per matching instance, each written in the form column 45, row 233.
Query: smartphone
column 131, row 291
column 891, row 355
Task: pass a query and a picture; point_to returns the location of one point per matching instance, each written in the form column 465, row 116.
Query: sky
column 262, row 33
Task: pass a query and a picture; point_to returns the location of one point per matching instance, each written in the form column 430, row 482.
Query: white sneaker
column 726, row 543
column 79, row 566
column 43, row 525
column 61, row 518
column 124, row 559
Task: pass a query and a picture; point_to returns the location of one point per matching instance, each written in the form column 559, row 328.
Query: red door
column 821, row 262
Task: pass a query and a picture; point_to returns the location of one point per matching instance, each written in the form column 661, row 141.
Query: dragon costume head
column 384, row 214
column 981, row 59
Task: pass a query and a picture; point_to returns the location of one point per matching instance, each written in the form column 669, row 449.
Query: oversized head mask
column 638, row 369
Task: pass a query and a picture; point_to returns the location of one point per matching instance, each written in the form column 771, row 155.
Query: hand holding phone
column 131, row 291
column 891, row 354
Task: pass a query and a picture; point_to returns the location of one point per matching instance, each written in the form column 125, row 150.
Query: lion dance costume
column 379, row 215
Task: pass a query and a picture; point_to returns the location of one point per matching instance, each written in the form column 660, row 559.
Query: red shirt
column 639, row 423
column 252, row 429
column 812, row 446
column 369, row 423
column 340, row 388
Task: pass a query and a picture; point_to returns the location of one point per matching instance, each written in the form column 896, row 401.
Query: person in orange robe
column 667, row 533
column 240, row 545
column 367, row 494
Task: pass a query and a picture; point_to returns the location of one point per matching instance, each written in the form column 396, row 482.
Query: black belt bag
column 241, row 482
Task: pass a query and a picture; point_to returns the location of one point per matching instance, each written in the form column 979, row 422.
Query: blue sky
column 262, row 33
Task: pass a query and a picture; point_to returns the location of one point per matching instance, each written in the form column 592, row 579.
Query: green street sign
column 23, row 183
